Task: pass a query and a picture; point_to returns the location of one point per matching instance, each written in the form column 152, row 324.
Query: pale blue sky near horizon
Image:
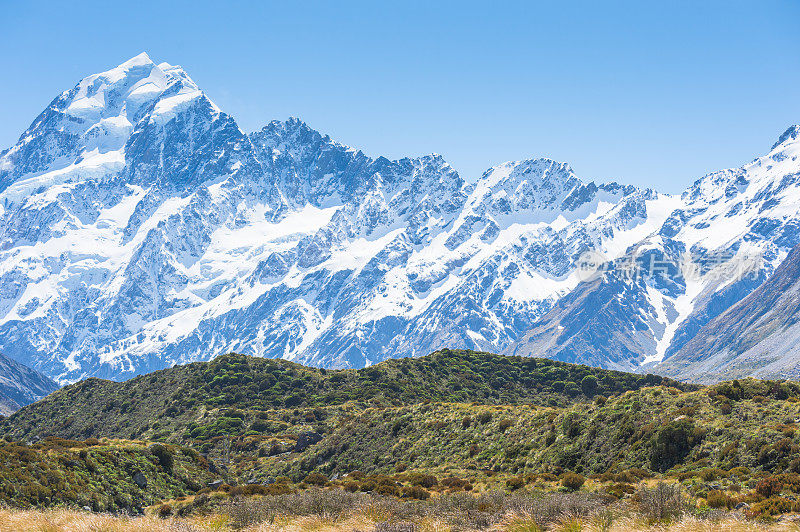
column 655, row 94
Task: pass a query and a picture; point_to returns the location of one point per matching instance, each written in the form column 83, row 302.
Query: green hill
column 460, row 413
column 162, row 404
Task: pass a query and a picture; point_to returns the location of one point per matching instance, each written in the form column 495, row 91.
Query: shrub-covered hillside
column 466, row 418
column 103, row 476
column 658, row 429
column 162, row 404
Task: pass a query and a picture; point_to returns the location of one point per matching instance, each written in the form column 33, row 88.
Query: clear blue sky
column 650, row 93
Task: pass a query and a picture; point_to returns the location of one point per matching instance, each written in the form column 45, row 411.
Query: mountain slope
column 759, row 336
column 20, row 385
column 730, row 231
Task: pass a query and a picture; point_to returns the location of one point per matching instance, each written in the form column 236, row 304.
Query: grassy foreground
column 335, row 510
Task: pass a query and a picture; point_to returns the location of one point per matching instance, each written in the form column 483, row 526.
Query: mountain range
column 141, row 227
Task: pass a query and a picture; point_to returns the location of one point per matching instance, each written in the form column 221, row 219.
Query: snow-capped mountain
column 141, row 227
column 731, row 228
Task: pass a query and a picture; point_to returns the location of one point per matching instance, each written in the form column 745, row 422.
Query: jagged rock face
column 140, row 227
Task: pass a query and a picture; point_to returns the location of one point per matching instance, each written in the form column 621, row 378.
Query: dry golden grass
column 76, row 521
column 60, row 520
column 603, row 523
column 692, row 524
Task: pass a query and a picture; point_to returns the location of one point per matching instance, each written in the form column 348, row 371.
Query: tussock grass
column 62, row 520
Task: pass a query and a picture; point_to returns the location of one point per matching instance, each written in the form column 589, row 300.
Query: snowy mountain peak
column 762, row 181
column 291, row 135
column 543, row 190
column 789, row 136
column 120, row 90
column 531, row 174
column 141, row 59
column 93, row 129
